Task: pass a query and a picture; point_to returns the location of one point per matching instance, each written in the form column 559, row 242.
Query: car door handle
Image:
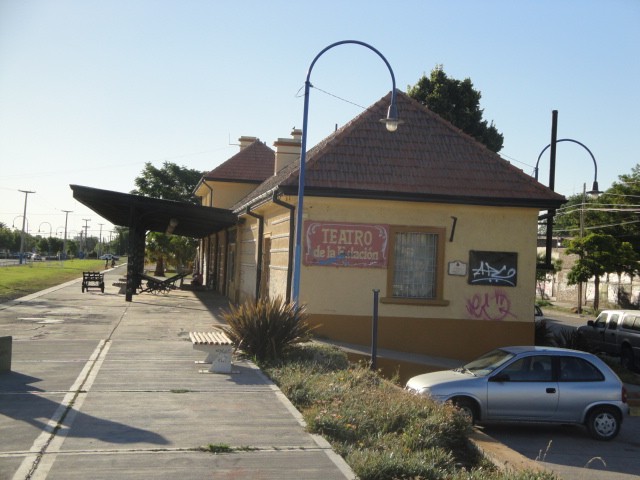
column 551, row 390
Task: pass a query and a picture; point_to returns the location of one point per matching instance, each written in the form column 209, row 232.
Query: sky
column 91, row 90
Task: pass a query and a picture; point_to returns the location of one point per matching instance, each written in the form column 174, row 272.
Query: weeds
column 217, row 448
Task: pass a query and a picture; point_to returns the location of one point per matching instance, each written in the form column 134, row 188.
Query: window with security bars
column 415, row 265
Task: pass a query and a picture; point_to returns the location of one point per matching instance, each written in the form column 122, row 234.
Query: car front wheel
column 468, row 408
column 603, row 423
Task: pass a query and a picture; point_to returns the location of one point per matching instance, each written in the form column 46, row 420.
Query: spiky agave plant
column 265, row 328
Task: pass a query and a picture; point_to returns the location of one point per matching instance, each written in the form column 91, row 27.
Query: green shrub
column 381, row 431
column 265, row 328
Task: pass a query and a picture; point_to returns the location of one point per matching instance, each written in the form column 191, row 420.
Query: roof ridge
column 426, row 159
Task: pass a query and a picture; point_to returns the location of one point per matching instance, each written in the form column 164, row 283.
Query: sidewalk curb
column 502, row 456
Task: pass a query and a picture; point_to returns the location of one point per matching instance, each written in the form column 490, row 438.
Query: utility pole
column 86, row 232
column 24, row 219
column 100, row 240
column 584, row 199
column 64, row 243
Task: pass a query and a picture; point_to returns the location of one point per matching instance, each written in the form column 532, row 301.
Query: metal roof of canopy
column 154, row 214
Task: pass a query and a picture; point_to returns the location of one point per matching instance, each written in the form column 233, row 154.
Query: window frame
column 438, row 300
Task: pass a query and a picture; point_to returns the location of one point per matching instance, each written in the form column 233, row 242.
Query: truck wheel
column 626, row 358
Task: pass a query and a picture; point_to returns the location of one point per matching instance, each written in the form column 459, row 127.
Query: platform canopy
column 154, row 214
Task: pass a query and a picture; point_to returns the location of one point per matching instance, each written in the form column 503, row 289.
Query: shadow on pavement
column 23, row 402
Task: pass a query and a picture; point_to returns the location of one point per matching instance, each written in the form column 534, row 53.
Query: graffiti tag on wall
column 493, row 268
column 490, row 306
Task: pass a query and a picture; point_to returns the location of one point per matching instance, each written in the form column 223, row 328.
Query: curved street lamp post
column 391, row 123
column 551, row 213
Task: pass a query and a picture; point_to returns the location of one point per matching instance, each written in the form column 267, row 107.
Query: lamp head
column 392, row 121
column 595, row 191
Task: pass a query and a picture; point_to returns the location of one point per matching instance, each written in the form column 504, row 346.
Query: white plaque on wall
column 457, row 268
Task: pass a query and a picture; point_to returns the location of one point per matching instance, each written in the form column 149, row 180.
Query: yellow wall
column 246, row 258
column 277, row 229
column 471, row 320
column 225, row 194
column 328, row 290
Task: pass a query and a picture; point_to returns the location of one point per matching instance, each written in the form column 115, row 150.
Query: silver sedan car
column 533, row 384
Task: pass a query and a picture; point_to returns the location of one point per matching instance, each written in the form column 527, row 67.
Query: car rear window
column 574, row 369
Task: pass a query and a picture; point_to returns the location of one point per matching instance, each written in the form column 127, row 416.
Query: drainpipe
column 259, row 248
column 208, row 254
column 292, row 231
column 225, row 288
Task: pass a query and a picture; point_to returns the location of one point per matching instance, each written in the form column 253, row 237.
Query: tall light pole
column 24, row 218
column 552, row 172
column 64, row 242
column 391, row 123
column 100, row 240
column 86, row 230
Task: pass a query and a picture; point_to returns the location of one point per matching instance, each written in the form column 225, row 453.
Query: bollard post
column 5, row 354
column 374, row 331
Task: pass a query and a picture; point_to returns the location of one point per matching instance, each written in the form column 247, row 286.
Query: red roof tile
column 426, row 159
column 253, row 164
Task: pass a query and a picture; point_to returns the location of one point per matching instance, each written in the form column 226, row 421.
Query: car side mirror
column 500, row 377
column 590, row 323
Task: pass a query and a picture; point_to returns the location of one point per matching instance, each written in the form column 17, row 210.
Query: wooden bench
column 92, row 280
column 218, row 348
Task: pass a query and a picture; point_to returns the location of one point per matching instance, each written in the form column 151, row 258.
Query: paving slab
column 101, row 388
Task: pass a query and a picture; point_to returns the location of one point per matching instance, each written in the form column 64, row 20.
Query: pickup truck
column 616, row 332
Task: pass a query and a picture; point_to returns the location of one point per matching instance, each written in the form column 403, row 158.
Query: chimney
column 287, row 150
column 246, row 141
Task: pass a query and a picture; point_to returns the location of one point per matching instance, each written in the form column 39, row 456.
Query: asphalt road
column 571, row 453
column 556, row 319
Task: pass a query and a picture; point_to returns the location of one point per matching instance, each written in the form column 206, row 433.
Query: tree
column 158, row 249
column 6, row 238
column 171, row 182
column 183, row 249
column 457, row 102
column 614, row 212
column 597, row 256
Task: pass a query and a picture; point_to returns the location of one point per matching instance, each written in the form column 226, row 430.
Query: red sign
column 345, row 244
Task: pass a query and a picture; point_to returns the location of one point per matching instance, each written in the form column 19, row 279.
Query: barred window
column 415, row 270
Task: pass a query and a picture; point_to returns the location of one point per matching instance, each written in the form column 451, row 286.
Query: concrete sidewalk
column 104, row 389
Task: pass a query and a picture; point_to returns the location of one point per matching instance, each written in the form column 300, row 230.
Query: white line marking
column 48, row 440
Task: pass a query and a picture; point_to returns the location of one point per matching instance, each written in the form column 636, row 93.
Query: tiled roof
column 253, row 164
column 426, row 159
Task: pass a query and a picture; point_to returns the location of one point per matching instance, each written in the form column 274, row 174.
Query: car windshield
column 488, row 362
